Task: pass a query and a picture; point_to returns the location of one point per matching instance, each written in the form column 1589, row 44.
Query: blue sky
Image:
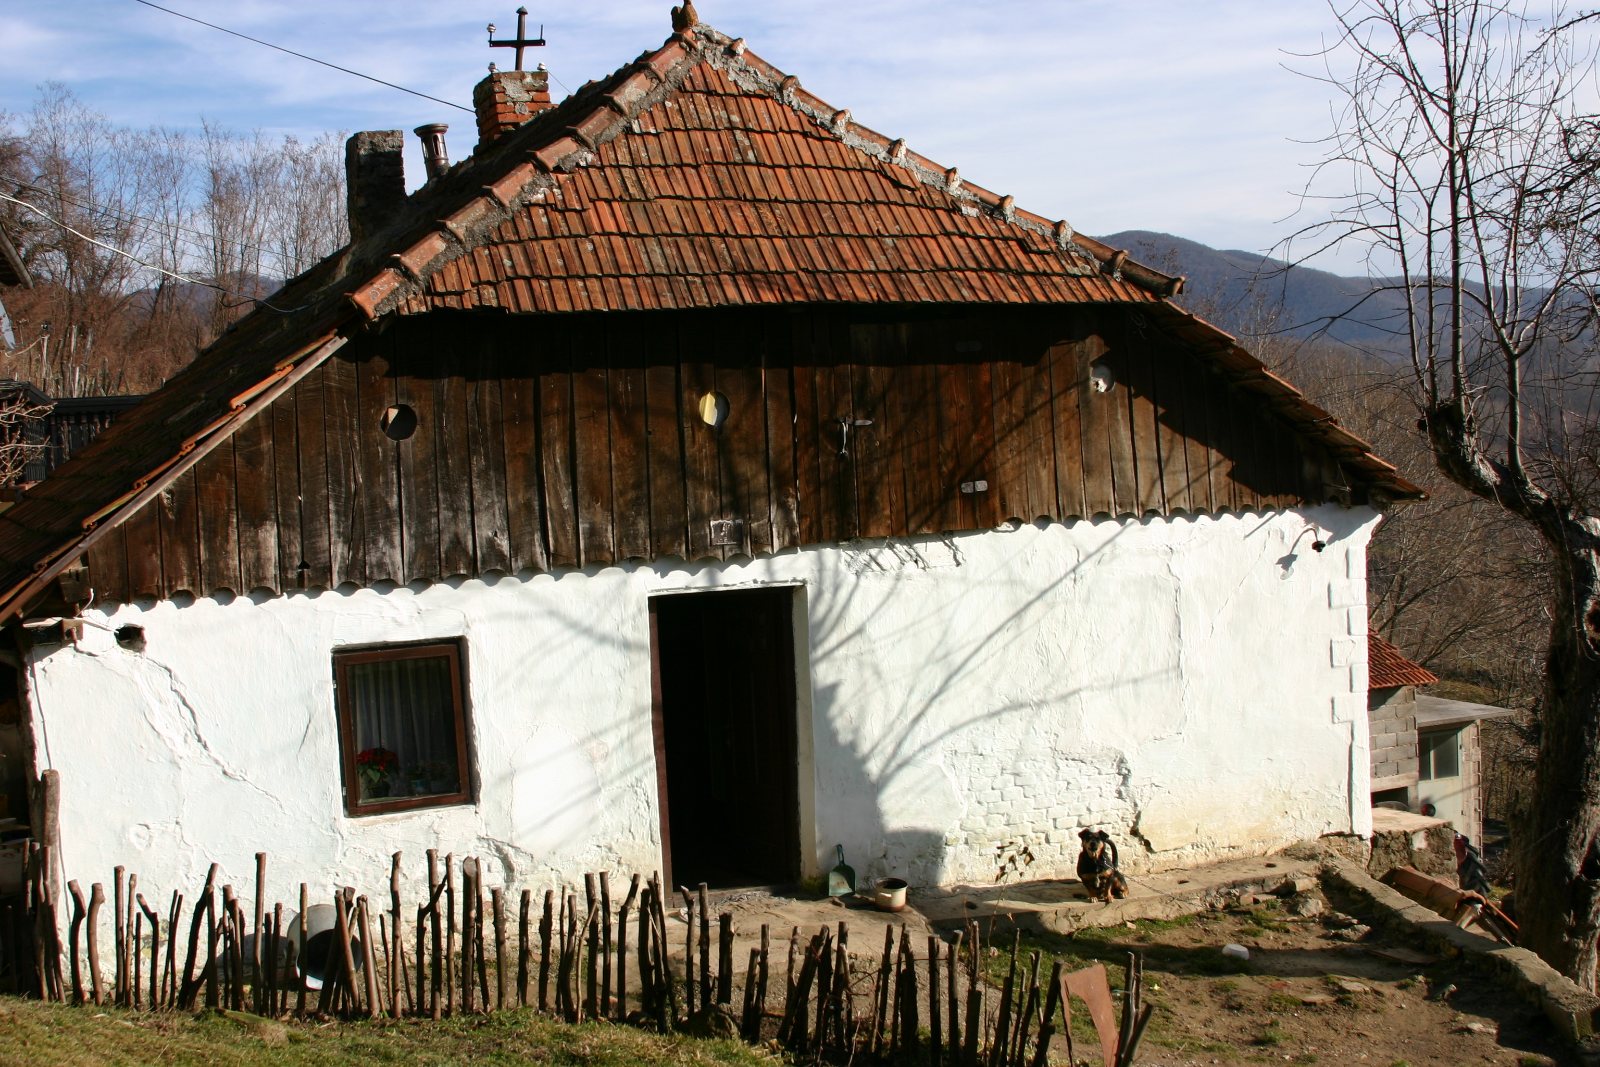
column 1168, row 115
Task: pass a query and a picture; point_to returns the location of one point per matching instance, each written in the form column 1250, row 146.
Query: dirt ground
column 1320, row 986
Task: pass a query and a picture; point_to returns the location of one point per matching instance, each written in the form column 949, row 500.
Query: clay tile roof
column 1388, row 668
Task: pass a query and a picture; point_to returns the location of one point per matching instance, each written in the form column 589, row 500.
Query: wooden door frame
column 791, row 702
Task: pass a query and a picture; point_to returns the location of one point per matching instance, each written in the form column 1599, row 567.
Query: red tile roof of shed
column 1388, row 667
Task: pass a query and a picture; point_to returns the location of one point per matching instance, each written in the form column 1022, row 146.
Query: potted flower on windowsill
column 376, row 766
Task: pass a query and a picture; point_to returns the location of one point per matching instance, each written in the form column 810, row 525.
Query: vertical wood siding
column 577, row 440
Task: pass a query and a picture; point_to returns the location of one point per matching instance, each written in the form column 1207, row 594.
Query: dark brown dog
column 1097, row 866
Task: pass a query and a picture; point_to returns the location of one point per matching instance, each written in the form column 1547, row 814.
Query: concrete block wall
column 1392, row 725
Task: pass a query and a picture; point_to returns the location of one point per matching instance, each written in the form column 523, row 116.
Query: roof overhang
column 1437, row 712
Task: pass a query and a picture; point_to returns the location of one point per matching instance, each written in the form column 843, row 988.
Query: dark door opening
column 724, row 716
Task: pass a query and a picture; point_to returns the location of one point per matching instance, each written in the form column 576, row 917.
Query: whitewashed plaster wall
column 1197, row 686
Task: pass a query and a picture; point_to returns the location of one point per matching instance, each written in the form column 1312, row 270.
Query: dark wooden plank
column 519, row 400
column 777, row 390
column 180, row 536
column 346, row 505
column 1013, row 453
column 378, row 477
column 1167, row 379
column 665, row 425
column 958, row 510
column 417, row 477
column 917, row 389
column 978, row 445
column 1037, row 431
column 807, row 428
column 1119, row 434
column 258, row 506
column 1134, row 355
column 870, row 443
column 555, row 449
column 1185, row 403
column 882, row 441
column 1096, row 411
column 742, row 444
column 486, row 443
column 840, row 520
column 108, row 567
column 452, row 452
column 142, row 537
column 592, row 434
column 286, row 487
column 626, row 406
column 311, row 433
column 702, row 485
column 218, row 520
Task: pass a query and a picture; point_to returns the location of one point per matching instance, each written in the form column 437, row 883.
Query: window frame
column 1428, row 744
column 343, row 660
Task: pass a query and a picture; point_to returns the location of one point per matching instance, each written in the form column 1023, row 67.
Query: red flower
column 380, row 760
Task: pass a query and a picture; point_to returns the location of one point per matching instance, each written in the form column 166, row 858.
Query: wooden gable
column 544, row 442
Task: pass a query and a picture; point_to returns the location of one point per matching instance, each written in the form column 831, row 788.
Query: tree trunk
column 1554, row 847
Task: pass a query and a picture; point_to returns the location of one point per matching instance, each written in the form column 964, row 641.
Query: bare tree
column 1475, row 189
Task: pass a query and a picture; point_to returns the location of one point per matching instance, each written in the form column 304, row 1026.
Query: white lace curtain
column 406, row 707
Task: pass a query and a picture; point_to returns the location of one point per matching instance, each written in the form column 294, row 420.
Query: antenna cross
column 522, row 40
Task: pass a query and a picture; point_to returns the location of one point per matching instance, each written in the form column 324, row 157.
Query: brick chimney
column 508, row 98
column 375, row 180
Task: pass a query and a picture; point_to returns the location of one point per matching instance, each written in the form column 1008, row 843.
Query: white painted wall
column 1197, row 686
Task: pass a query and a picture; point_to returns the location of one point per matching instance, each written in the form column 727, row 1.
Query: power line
column 145, row 263
column 301, row 55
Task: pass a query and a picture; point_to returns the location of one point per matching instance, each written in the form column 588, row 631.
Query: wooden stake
column 259, row 989
column 1047, row 1023
column 881, row 990
column 545, row 920
column 591, row 972
column 935, row 1029
column 688, row 950
column 303, row 959
column 479, row 953
column 605, row 945
column 119, row 936
column 705, row 949
column 952, row 951
column 369, row 968
column 397, row 938
column 523, row 947
column 79, row 906
column 342, row 905
column 169, row 988
column 449, row 934
column 622, row 949
column 500, row 969
column 725, row 958
column 155, row 951
column 761, row 984
column 469, row 995
column 213, row 994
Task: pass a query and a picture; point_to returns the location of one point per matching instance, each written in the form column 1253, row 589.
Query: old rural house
column 694, row 476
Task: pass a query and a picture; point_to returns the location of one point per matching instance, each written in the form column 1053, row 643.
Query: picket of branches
column 472, row 947
column 145, row 244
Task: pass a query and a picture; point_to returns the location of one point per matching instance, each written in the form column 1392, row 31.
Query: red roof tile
column 1388, row 668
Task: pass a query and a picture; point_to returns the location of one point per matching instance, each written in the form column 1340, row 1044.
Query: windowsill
column 409, row 804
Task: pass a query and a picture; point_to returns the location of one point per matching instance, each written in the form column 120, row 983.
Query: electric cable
column 301, row 55
column 148, row 265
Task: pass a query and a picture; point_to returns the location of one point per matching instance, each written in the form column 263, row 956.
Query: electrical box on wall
column 727, row 531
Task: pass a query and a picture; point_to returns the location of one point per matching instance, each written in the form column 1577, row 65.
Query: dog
column 1097, row 866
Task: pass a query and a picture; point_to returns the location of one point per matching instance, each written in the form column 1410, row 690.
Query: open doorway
column 723, row 695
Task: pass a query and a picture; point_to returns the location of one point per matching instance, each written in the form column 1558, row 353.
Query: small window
column 1439, row 755
column 402, row 728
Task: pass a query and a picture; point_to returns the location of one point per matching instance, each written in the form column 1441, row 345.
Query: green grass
column 41, row 1035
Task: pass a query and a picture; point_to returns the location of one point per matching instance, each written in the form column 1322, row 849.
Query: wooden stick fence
column 603, row 963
